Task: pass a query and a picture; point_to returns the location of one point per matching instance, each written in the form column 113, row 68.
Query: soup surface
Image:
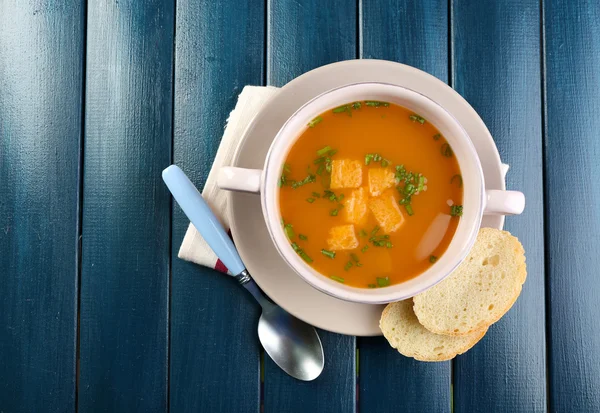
column 370, row 194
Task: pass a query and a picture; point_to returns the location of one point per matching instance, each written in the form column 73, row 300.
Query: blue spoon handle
column 205, row 221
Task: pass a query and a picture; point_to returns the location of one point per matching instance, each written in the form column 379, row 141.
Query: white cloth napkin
column 250, row 102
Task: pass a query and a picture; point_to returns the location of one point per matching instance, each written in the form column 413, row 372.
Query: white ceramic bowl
column 476, row 200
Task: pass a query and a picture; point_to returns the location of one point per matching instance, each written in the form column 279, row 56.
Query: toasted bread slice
column 386, row 211
column 480, row 291
column 356, row 206
column 403, row 331
column 342, row 237
column 380, row 179
column 346, row 173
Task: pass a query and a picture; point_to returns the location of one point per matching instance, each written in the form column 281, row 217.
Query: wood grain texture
column 497, row 69
column 415, row 33
column 41, row 51
column 126, row 220
column 390, row 382
column 303, row 35
column 332, row 391
column 572, row 59
column 214, row 344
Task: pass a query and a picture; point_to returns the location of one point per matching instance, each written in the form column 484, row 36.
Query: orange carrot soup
column 370, row 194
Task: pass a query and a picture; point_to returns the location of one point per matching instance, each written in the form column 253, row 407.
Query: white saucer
column 247, row 224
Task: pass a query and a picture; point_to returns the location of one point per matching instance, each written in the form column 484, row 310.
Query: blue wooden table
column 98, row 315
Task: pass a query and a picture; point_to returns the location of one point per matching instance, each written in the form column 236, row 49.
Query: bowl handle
column 239, row 179
column 504, row 202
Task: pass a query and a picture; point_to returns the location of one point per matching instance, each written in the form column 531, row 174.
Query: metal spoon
column 292, row 344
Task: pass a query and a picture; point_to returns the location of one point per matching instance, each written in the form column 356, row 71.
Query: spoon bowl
column 291, row 343
column 283, row 335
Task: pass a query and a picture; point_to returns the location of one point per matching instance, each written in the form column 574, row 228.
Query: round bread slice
column 403, row 331
column 480, row 291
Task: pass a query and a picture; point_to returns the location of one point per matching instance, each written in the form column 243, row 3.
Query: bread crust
column 436, row 308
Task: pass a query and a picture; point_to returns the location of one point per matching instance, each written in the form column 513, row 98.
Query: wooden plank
column 497, row 69
column 126, row 220
column 413, row 32
column 214, row 346
column 41, row 51
column 390, row 382
column 572, row 39
column 332, row 391
column 301, row 36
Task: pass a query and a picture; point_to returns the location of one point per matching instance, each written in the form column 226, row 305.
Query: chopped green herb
column 309, row 179
column 282, row 181
column 400, row 173
column 348, row 265
column 340, row 197
column 329, row 195
column 341, row 109
column 409, row 210
column 316, row 195
column 364, row 249
column 437, row 136
column 421, row 183
column 301, row 253
column 383, row 281
column 368, row 158
column 332, row 152
column 375, row 230
column 458, row 178
column 385, row 163
column 338, row 279
column 417, row 118
column 409, row 189
column 323, row 151
column 447, row 150
column 362, row 233
column 377, row 157
column 432, row 259
column 319, row 160
column 405, row 201
column 354, row 257
column 413, row 184
column 356, row 105
column 315, row 122
column 305, row 256
column 310, row 200
column 286, row 167
column 289, row 230
column 376, row 104
column 302, row 237
column 380, row 240
column 320, row 169
column 334, row 212
column 330, row 254
column 456, row 210
column 372, row 286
